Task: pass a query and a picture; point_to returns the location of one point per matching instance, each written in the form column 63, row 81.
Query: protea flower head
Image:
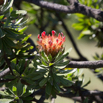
column 51, row 44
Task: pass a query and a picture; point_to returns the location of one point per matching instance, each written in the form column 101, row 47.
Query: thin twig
column 5, row 72
column 53, row 100
column 8, row 63
column 72, row 64
column 84, row 93
column 86, row 64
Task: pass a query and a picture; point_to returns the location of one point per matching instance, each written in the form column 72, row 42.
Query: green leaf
column 84, row 32
column 1, row 16
column 87, row 32
column 23, row 29
column 65, row 82
column 38, row 76
column 68, row 51
column 21, row 24
column 10, row 33
column 11, row 9
column 10, row 76
column 28, row 80
column 20, row 101
column 6, row 100
column 9, row 42
column 28, row 99
column 7, row 22
column 7, row 6
column 80, row 15
column 1, row 44
column 23, row 12
column 19, row 88
column 3, row 93
column 43, row 82
column 59, row 54
column 44, row 56
column 50, row 64
column 87, row 83
column 56, row 78
column 14, row 90
column 26, row 38
column 47, row 96
column 53, row 92
column 24, row 89
column 31, row 21
column 78, row 83
column 78, row 26
column 14, row 60
column 86, row 100
column 97, row 70
column 21, row 65
column 10, row 3
column 62, row 63
column 81, row 35
column 5, row 48
column 56, row 85
column 64, row 71
column 1, row 33
column 2, row 61
column 43, row 62
column 14, row 15
column 18, row 21
column 60, row 58
column 50, row 57
column 48, row 88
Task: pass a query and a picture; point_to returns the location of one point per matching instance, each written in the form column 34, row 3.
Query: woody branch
column 74, row 7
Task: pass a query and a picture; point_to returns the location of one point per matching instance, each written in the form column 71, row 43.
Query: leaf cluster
column 27, row 76
column 88, row 26
column 53, row 72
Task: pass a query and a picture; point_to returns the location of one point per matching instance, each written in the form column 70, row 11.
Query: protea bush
column 51, row 62
column 48, row 71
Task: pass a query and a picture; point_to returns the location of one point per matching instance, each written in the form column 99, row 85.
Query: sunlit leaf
column 6, row 100
column 1, row 16
column 23, row 29
column 23, row 12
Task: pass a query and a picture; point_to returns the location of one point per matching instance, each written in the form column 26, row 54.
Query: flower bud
column 51, row 44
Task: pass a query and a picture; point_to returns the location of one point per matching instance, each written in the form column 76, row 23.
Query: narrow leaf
column 1, row 33
column 19, row 88
column 6, row 100
column 62, row 63
column 43, row 82
column 87, row 83
column 48, row 88
column 1, row 16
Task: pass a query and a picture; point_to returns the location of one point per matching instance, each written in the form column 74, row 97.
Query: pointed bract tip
column 53, row 32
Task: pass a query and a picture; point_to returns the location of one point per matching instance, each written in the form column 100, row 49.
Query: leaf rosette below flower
column 51, row 61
